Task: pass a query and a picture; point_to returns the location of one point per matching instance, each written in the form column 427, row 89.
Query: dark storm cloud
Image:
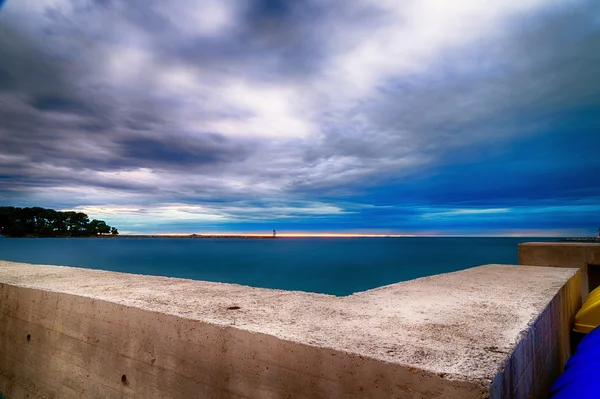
column 207, row 149
column 51, row 120
column 60, row 104
column 42, row 110
column 271, row 40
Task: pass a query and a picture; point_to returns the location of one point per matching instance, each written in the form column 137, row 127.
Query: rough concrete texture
column 563, row 254
column 492, row 331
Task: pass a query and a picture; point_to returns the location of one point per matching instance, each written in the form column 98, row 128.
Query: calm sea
column 338, row 266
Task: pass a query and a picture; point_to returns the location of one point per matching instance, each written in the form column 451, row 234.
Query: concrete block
column 493, row 331
column 565, row 254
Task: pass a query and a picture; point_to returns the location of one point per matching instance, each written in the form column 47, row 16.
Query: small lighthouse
column 275, row 233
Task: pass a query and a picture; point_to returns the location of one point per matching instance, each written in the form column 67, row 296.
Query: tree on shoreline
column 41, row 222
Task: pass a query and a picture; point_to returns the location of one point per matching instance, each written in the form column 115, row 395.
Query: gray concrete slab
column 450, row 335
column 582, row 255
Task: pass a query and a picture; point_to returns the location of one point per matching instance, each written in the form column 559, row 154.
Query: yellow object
column 588, row 316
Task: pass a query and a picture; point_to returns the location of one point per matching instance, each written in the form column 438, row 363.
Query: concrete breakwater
column 492, row 331
column 584, row 256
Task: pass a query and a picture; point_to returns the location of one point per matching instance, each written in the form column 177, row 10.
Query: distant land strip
column 259, row 236
column 268, row 236
column 192, row 236
column 255, row 236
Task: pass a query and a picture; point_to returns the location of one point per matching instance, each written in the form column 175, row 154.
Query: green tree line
column 41, row 222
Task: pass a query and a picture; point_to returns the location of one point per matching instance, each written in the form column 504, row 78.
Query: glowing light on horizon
column 221, row 234
column 513, row 234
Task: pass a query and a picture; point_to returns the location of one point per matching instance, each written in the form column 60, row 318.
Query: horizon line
column 351, row 235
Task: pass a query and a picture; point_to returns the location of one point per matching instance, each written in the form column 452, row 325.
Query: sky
column 428, row 117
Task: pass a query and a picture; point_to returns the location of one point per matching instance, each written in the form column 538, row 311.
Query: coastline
column 228, row 236
column 191, row 236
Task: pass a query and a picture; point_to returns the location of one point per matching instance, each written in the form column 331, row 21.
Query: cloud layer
column 389, row 116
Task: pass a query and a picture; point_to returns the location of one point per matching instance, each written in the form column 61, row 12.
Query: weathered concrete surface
column 492, row 331
column 581, row 255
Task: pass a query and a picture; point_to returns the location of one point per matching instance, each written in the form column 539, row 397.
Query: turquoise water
column 338, row 266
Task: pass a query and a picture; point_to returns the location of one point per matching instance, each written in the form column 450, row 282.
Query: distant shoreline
column 191, row 236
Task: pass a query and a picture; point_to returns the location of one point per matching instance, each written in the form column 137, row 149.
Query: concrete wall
column 64, row 346
column 543, row 350
column 493, row 331
column 581, row 255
